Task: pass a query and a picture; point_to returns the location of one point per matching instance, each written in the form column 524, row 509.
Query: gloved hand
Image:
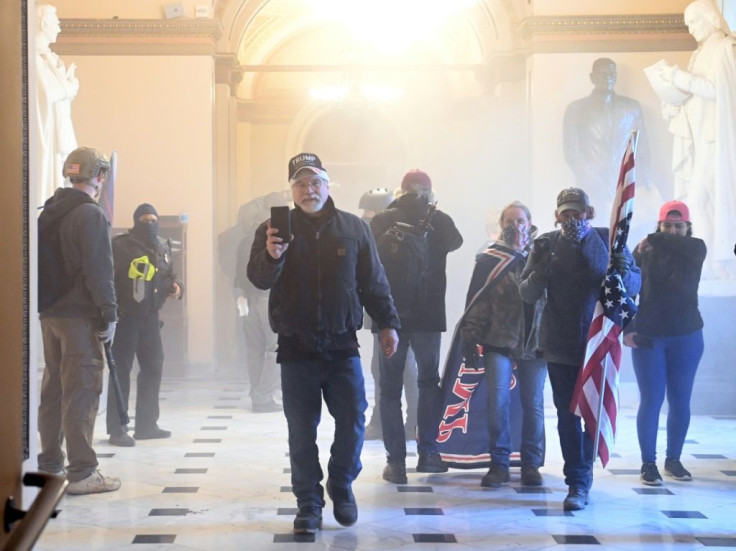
column 620, row 262
column 242, row 305
column 542, row 261
column 471, row 355
column 107, row 334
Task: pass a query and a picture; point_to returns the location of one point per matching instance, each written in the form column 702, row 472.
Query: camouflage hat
column 85, row 163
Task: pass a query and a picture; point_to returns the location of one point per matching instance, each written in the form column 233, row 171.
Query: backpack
column 53, row 281
column 404, row 252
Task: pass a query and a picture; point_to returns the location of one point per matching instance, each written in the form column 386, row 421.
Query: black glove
column 542, row 261
column 471, row 355
column 620, row 262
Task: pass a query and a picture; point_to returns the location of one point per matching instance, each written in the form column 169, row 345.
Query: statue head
column 47, row 23
column 703, row 18
column 603, row 74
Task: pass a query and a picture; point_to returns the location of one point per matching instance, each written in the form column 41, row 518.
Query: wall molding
column 138, row 37
column 649, row 32
column 542, row 34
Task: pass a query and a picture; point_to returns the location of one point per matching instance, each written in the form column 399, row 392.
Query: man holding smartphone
column 321, row 274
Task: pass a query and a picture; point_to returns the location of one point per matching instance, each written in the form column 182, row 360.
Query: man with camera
column 144, row 279
column 570, row 266
column 321, row 266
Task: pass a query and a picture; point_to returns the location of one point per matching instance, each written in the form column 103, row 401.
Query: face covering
column 146, row 231
column 575, row 230
column 515, row 238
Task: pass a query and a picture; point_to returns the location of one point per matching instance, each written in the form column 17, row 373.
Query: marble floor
column 222, row 483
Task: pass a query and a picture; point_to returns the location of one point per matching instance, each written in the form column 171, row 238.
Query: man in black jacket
column 569, row 266
column 421, row 328
column 144, row 279
column 74, row 323
column 321, row 276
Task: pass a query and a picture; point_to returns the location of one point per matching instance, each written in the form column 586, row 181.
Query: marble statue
column 704, row 128
column 57, row 86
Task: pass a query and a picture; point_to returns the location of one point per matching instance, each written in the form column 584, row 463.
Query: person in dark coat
column 144, row 279
column 666, row 337
column 321, row 277
column 421, row 329
column 74, row 324
column 570, row 265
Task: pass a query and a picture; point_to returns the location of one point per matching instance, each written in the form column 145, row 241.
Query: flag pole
column 604, row 374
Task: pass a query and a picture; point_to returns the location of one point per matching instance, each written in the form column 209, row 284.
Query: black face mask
column 146, row 232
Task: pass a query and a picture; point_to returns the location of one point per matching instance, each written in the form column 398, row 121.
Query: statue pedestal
column 715, row 382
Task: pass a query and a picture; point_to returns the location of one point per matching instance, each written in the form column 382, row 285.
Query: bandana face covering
column 575, row 230
column 515, row 238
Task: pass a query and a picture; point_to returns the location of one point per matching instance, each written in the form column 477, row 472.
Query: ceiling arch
column 269, row 36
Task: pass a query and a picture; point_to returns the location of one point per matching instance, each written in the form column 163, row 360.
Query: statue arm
column 697, row 85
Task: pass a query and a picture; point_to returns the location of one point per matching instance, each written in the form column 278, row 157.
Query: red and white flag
column 596, row 392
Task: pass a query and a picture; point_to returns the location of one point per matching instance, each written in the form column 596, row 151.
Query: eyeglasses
column 315, row 183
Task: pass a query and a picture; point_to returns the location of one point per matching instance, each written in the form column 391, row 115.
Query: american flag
column 596, row 392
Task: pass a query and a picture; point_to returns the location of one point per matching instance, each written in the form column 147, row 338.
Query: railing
column 33, row 521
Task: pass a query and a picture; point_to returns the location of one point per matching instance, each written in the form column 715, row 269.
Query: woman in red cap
column 667, row 336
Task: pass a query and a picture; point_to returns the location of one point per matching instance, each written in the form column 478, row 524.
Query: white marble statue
column 57, row 86
column 704, row 129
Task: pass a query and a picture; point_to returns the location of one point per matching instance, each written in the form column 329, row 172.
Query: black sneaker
column 530, row 476
column 674, row 468
column 344, row 507
column 308, row 520
column 650, row 475
column 395, row 472
column 576, row 500
column 431, row 463
column 496, row 476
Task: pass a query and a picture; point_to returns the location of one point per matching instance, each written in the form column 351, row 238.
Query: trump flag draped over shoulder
column 596, row 392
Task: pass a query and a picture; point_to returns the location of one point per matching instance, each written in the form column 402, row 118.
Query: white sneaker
column 94, row 484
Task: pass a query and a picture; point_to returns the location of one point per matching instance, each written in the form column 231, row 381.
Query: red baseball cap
column 677, row 206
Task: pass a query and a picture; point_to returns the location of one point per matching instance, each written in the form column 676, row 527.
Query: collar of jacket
column 327, row 212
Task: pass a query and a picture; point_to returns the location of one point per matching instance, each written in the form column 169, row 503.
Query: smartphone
column 281, row 220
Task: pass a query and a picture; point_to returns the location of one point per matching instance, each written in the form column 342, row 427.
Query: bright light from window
column 390, row 26
column 378, row 93
column 330, row 93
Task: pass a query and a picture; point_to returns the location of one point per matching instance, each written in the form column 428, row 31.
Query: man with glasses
column 321, row 276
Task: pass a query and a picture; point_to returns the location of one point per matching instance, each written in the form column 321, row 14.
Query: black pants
column 137, row 336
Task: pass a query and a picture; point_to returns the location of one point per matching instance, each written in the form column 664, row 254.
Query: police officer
column 144, row 279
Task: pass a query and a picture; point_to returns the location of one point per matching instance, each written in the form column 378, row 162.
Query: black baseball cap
column 305, row 161
column 572, row 198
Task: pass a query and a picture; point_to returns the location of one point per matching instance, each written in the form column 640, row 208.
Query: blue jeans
column 670, row 364
column 426, row 347
column 577, row 447
column 530, row 375
column 303, row 385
